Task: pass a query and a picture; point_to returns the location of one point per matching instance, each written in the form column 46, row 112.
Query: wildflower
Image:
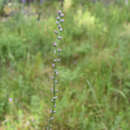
column 59, row 26
column 57, row 22
column 62, row 20
column 59, row 12
column 53, row 65
column 61, row 15
column 54, row 44
column 59, row 37
column 61, row 29
column 10, row 100
column 56, row 32
column 58, row 18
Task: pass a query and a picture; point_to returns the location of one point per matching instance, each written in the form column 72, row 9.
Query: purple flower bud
column 53, row 65
column 62, row 20
column 54, row 44
column 60, row 37
column 57, row 22
column 58, row 18
column 61, row 29
column 59, row 12
column 59, row 26
column 56, row 32
column 61, row 15
column 10, row 99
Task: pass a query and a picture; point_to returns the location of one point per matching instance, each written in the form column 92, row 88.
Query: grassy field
column 94, row 72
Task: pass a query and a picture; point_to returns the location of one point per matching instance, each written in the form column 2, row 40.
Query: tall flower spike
column 56, row 59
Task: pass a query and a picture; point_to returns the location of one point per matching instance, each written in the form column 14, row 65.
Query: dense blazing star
column 59, row 21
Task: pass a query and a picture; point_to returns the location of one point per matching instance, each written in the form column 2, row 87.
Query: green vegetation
column 94, row 73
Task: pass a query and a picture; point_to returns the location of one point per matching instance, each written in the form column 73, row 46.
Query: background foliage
column 94, row 79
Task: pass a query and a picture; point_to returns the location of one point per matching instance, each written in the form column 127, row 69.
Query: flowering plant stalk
column 59, row 21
